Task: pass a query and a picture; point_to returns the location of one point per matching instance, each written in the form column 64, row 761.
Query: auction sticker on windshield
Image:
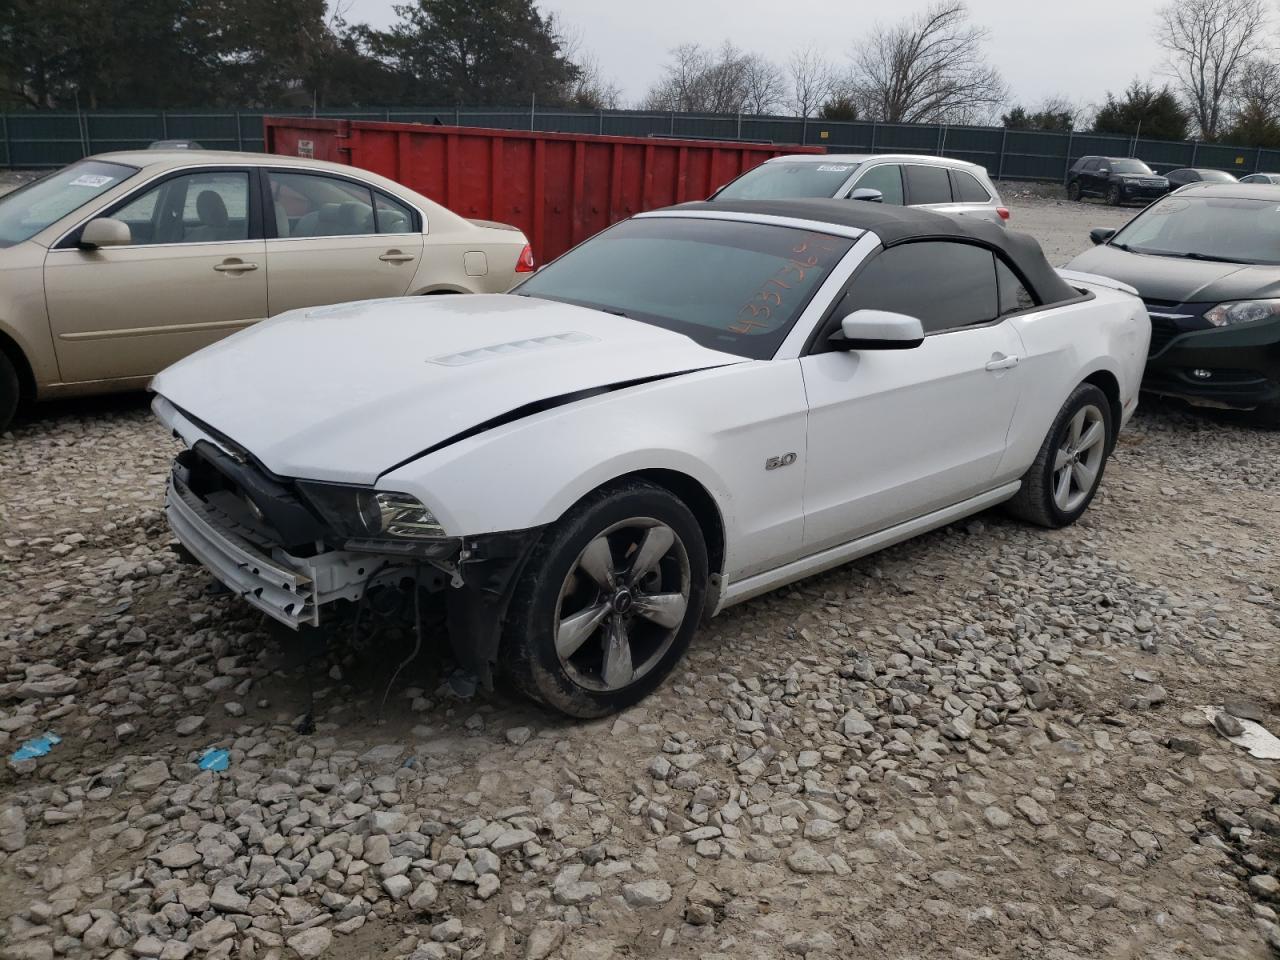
column 91, row 180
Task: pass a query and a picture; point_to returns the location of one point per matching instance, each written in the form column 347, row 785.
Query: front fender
column 718, row 427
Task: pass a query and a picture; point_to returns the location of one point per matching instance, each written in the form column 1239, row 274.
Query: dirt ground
column 982, row 743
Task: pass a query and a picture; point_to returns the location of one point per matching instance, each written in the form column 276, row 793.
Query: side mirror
column 1100, row 235
column 866, row 193
column 105, row 232
column 878, row 330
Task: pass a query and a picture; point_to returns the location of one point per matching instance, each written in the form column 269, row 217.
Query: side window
column 885, row 177
column 927, row 184
column 313, row 205
column 1014, row 295
column 966, row 188
column 1090, row 165
column 945, row 284
column 209, row 207
column 1104, row 167
column 392, row 215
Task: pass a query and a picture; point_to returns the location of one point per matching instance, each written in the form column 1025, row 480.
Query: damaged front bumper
column 287, row 588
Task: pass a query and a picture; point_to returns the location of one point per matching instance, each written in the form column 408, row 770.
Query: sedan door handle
column 1002, row 363
column 234, row 266
column 395, row 256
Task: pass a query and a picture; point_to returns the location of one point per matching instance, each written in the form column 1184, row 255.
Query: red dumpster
column 559, row 188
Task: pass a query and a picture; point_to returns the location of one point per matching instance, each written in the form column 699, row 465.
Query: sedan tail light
column 1002, row 213
column 524, row 263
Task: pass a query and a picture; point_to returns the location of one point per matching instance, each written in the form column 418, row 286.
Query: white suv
column 939, row 183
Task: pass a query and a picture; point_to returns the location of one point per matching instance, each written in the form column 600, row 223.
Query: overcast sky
column 1080, row 49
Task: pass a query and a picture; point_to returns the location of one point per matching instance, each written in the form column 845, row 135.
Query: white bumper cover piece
column 287, row 588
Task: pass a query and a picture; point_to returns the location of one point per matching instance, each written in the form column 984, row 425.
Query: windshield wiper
column 1126, row 248
column 1193, row 255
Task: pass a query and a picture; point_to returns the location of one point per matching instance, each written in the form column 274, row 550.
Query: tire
column 1073, row 191
column 1071, row 447
column 576, row 635
column 10, row 391
column 1113, row 195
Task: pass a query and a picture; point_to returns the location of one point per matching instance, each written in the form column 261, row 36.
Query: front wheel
column 1068, row 469
column 1113, row 195
column 613, row 594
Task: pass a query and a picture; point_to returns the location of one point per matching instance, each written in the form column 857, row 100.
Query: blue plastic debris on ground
column 215, row 760
column 37, row 747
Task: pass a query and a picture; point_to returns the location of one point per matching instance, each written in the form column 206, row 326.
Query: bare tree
column 699, row 80
column 928, row 68
column 1207, row 42
column 764, row 85
column 813, row 81
column 590, row 88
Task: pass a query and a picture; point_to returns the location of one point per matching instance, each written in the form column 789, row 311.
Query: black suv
column 1116, row 178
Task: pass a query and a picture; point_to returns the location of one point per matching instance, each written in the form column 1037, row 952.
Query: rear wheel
column 1113, row 195
column 1073, row 190
column 615, row 592
column 10, row 391
column 1068, row 469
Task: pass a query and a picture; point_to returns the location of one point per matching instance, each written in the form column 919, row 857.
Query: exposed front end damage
column 260, row 536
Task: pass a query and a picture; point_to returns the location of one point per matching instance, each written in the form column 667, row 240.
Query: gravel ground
column 982, row 743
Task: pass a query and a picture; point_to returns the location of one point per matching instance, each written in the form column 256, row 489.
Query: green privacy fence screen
column 30, row 140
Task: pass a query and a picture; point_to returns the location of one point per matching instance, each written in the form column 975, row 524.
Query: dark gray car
column 1206, row 261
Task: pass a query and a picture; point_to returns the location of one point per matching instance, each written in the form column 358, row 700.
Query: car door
column 333, row 239
column 927, row 186
column 895, row 434
column 1100, row 179
column 193, row 272
column 885, row 177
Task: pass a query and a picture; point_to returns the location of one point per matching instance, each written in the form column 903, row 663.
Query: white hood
column 342, row 393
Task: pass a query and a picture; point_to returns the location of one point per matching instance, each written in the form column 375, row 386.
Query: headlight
column 372, row 514
column 1242, row 311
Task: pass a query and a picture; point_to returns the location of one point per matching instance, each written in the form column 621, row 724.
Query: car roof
column 160, row 159
column 1232, row 191
column 895, row 224
column 921, row 158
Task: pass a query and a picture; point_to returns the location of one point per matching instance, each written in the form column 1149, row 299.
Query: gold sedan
column 114, row 267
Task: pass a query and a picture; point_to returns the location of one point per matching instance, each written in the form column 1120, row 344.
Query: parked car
column 114, row 267
column 937, row 183
column 1207, row 262
column 693, row 407
column 1184, row 175
column 1261, row 178
column 1117, row 179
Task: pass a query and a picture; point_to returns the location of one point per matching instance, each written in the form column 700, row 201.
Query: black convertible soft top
column 894, row 225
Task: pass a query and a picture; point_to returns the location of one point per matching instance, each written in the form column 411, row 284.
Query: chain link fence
column 30, row 140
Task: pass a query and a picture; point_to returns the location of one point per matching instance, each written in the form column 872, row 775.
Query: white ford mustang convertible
column 695, row 406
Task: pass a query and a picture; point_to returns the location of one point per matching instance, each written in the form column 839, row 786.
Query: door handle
column 1002, row 363
column 395, row 256
column 234, row 266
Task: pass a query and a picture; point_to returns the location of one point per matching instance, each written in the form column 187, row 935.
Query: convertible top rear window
column 728, row 285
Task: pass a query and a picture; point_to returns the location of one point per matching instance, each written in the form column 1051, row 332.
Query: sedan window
column 885, row 177
column 967, row 189
column 209, row 207
column 728, row 285
column 927, row 184
column 311, row 205
column 780, row 181
column 943, row 284
column 1206, row 228
column 28, row 210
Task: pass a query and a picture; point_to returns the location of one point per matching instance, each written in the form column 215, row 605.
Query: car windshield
column 1130, row 166
column 1206, row 228
column 728, row 285
column 780, row 181
column 28, row 210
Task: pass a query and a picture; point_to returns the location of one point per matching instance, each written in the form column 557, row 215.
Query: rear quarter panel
column 1063, row 347
column 716, row 426
column 444, row 266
